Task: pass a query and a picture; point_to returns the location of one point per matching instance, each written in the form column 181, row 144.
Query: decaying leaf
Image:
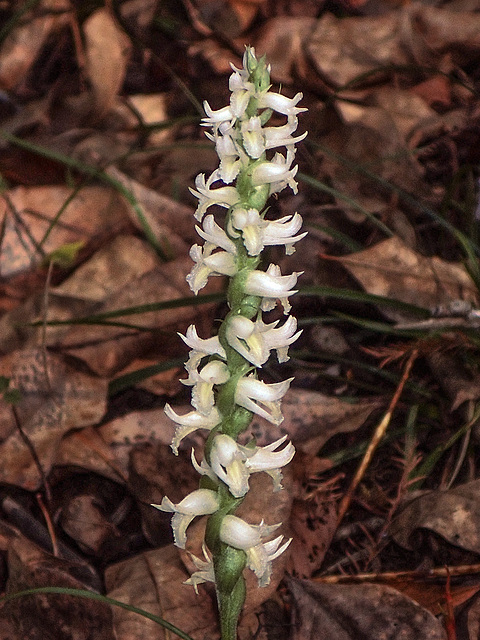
column 106, row 449
column 392, row 269
column 350, row 612
column 22, row 45
column 452, row 514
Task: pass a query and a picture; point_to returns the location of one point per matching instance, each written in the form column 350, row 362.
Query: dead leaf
column 349, row 612
column 108, row 349
column 313, row 523
column 54, row 399
column 312, row 418
column 452, row 514
column 166, row 217
column 282, row 39
column 154, row 581
column 454, row 378
column 392, row 269
column 112, row 267
column 155, row 473
column 84, row 521
column 107, row 50
column 106, row 449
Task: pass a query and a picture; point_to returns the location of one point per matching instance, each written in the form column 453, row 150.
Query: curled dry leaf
column 54, row 399
column 108, row 349
column 452, row 514
column 283, row 39
column 166, row 217
column 392, row 269
column 106, row 449
column 350, row 612
column 345, row 48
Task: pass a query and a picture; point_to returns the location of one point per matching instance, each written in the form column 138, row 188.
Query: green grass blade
column 361, row 296
column 100, row 318
column 321, row 186
column 134, row 377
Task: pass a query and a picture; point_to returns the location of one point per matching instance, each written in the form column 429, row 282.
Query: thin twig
column 376, row 439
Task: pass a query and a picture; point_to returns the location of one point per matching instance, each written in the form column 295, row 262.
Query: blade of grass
column 321, row 186
column 99, row 318
column 337, row 235
column 425, row 468
column 134, row 377
column 361, row 296
column 91, row 595
column 470, row 248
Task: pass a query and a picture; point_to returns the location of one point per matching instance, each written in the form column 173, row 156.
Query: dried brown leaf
column 50, row 617
column 23, row 44
column 392, row 269
column 55, row 398
column 283, row 39
column 312, row 418
column 27, row 213
column 154, row 581
column 106, row 449
column 452, row 514
column 107, row 50
column 354, row 612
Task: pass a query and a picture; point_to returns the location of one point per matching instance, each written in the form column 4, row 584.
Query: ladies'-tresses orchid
column 198, row 503
column 262, row 399
column 255, row 161
column 241, row 535
column 223, row 196
column 214, row 372
column 208, row 347
column 208, row 263
column 255, row 340
column 271, row 285
column 258, row 233
column 190, row 422
column 233, row 464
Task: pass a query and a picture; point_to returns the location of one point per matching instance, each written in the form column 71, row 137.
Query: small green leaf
column 65, row 255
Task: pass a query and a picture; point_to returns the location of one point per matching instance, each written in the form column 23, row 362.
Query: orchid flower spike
column 255, row 161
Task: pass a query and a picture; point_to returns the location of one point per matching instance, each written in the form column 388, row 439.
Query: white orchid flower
column 233, row 464
column 203, row 381
column 255, row 340
column 222, row 196
column 239, row 534
column 201, row 502
column 271, row 285
column 190, row 422
column 207, row 263
column 204, row 573
column 262, row 399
